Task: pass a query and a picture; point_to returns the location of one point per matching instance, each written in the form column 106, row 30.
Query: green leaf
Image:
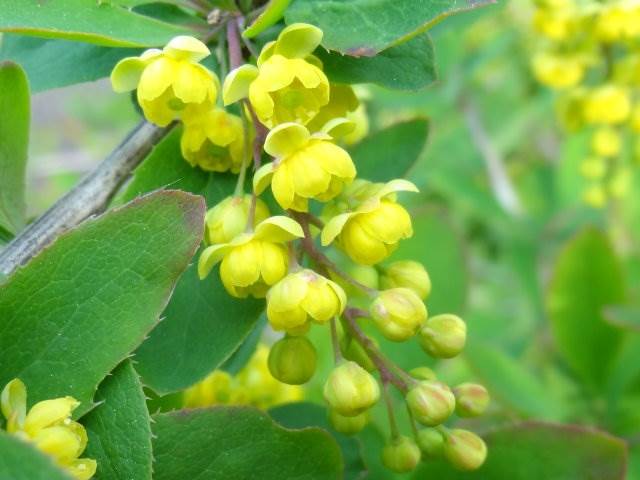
column 511, row 383
column 98, row 22
column 84, row 303
column 302, row 415
column 203, row 325
column 58, row 63
column 243, row 354
column 271, row 15
column 366, row 27
column 624, row 316
column 534, row 451
column 119, row 428
column 14, row 142
column 406, row 140
column 409, row 66
column 21, row 461
column 238, row 443
column 587, row 278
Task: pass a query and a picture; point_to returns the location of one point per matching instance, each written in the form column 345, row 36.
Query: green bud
column 443, row 336
column 401, row 455
column 407, row 274
column 398, row 313
column 464, row 450
column 350, row 389
column 364, row 274
column 352, row 350
column 431, row 442
column 292, row 360
column 431, row 402
column 228, row 218
column 472, row 399
column 348, row 425
column 423, row 373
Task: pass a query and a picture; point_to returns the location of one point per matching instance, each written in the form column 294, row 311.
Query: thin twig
column 90, row 196
column 500, row 183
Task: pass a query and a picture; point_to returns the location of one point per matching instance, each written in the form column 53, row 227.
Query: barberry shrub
column 253, row 284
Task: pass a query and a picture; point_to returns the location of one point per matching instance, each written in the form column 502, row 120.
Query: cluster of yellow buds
column 48, row 426
column 587, row 50
column 253, row 385
column 293, row 113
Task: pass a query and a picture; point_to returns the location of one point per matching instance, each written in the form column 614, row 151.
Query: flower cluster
column 48, row 426
column 293, row 113
column 253, row 385
column 587, row 51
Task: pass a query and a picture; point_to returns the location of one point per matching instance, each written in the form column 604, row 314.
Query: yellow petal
column 390, row 222
column 210, row 256
column 339, row 291
column 262, row 178
column 49, row 412
column 266, row 52
column 288, row 293
column 309, row 178
column 282, row 186
column 156, row 78
column 278, row 229
column 262, row 102
column 333, row 228
column 184, row 47
column 335, row 160
column 190, row 85
column 126, row 74
column 321, row 302
column 298, row 40
column 58, row 441
column 397, row 185
column 275, row 259
column 82, row 468
column 339, row 127
column 360, row 246
column 242, row 264
column 285, row 139
column 236, row 85
column 13, row 402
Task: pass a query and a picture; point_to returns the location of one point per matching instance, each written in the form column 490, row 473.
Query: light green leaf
column 58, row 63
column 84, row 303
column 14, row 142
column 238, row 443
column 366, row 27
column 409, row 66
column 534, row 451
column 406, row 140
column 21, row 461
column 511, row 383
column 303, row 415
column 203, row 325
column 271, row 15
column 587, row 278
column 119, row 428
column 98, row 22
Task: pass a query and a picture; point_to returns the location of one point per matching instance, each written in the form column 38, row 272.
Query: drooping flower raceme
column 253, row 262
column 373, row 223
column 48, row 425
column 168, row 80
column 306, row 166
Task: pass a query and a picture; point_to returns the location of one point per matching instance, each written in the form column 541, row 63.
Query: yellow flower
column 373, row 224
column 214, row 140
column 252, row 262
column 595, row 196
column 287, row 85
column 342, row 101
column 557, row 71
column 303, row 296
column 618, row 21
column 408, row 274
column 593, row 168
column 168, row 80
column 361, row 121
column 350, row 389
column 215, row 389
column 557, row 21
column 305, row 166
column 608, row 104
column 606, row 142
column 49, row 427
column 229, row 218
column 398, row 313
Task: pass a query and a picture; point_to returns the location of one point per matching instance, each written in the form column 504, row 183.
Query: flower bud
column 443, row 336
column 228, row 219
column 471, row 399
column 350, row 389
column 352, row 350
column 398, row 313
column 423, row 373
column 401, row 454
column 292, row 360
column 407, row 274
column 464, row 450
column 348, row 425
column 431, row 402
column 431, row 442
